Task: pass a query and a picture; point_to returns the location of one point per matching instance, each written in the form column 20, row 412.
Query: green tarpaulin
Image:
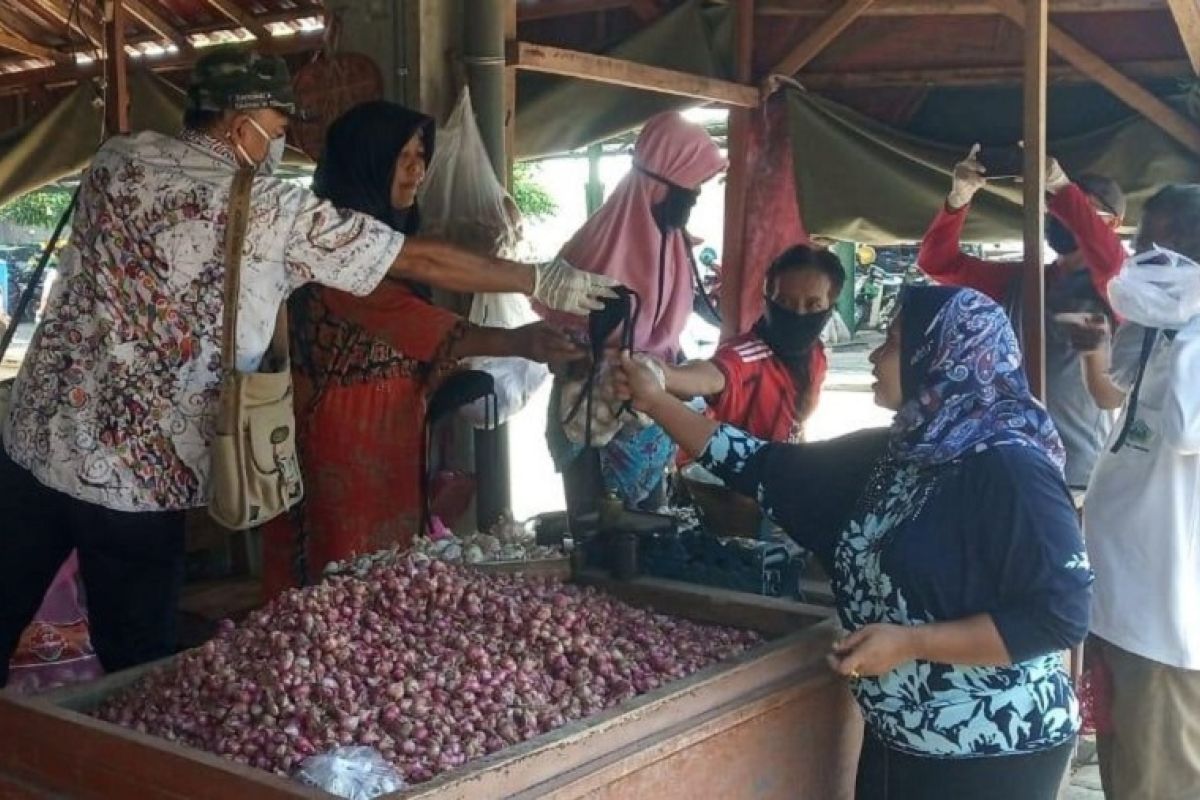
column 556, row 114
column 863, row 181
column 62, row 142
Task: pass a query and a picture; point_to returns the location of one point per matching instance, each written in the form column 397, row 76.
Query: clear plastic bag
column 355, row 773
column 517, row 380
column 462, row 200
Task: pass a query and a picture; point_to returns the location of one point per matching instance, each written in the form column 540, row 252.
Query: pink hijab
column 622, row 240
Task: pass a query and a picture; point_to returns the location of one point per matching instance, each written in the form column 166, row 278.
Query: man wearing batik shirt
column 107, row 440
column 767, row 381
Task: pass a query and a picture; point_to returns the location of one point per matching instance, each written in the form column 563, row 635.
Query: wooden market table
column 772, row 724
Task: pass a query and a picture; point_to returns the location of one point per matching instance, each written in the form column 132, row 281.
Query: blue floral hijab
column 963, row 384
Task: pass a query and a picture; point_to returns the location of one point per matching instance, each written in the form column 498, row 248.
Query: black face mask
column 671, row 214
column 1059, row 238
column 790, row 335
column 674, row 210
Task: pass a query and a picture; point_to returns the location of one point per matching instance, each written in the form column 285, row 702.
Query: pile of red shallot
column 430, row 664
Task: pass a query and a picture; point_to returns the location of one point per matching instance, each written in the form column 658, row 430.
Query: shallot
column 429, row 663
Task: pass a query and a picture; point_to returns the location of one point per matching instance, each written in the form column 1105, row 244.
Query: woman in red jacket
column 768, row 381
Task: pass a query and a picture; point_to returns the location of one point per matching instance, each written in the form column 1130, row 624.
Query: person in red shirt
column 767, row 381
column 1081, row 229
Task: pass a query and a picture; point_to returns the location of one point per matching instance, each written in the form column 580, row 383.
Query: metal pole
column 484, row 27
column 483, row 47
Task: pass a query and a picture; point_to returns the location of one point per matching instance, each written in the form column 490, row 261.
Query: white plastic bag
column 355, row 773
column 517, row 380
column 461, row 200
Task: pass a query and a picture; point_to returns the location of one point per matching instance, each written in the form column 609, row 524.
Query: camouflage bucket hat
column 239, row 79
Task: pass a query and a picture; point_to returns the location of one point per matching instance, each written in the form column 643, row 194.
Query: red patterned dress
column 364, row 370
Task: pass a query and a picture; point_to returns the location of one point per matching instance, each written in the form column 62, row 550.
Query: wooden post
column 733, row 259
column 1033, row 318
column 116, row 78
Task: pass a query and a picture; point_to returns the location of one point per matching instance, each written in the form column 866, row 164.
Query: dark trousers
column 887, row 774
column 131, row 563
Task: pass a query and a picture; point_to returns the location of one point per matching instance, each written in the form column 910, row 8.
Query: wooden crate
column 774, row 723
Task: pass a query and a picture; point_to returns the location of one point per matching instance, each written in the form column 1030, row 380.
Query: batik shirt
column 116, row 401
column 991, row 532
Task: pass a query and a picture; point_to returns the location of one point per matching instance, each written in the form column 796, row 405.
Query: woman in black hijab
column 365, row 367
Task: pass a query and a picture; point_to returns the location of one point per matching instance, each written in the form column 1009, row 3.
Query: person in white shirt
column 1142, row 512
column 106, row 443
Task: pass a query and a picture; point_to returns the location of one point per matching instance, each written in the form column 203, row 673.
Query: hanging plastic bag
column 517, row 380
column 463, row 202
column 354, row 773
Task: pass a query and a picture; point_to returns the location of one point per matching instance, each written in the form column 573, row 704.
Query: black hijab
column 359, row 161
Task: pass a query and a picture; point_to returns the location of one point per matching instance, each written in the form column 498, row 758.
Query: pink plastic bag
column 56, row 649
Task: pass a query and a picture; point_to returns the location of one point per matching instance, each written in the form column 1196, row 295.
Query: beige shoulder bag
column 255, row 471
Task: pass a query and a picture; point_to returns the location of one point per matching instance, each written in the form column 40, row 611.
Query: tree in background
column 531, row 197
column 37, row 209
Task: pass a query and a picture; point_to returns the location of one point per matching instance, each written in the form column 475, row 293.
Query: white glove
column 561, row 287
column 968, row 179
column 1056, row 179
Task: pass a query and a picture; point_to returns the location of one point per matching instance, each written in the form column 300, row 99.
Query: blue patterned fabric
column 962, row 380
column 959, row 509
column 632, row 465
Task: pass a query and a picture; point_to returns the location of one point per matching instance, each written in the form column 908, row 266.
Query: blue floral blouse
column 991, row 532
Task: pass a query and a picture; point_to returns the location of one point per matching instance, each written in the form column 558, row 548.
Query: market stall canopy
column 860, row 180
column 896, row 98
column 556, row 114
column 62, row 142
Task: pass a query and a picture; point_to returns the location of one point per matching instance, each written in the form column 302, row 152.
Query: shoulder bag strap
column 38, row 271
column 1149, row 339
column 235, row 236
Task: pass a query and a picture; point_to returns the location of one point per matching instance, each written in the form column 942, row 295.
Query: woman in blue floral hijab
column 957, row 562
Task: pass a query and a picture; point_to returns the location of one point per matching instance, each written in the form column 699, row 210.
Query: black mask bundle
column 789, row 334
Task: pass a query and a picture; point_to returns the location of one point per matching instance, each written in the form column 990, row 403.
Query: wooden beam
column 819, row 39
column 155, row 22
column 614, row 71
column 737, row 180
column 983, row 76
column 912, row 8
column 243, row 18
column 1187, row 19
column 11, row 40
column 1036, row 19
column 529, row 10
column 70, row 73
column 1139, row 99
column 79, row 21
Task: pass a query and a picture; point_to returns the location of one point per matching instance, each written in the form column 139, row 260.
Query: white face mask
column 275, row 148
column 1157, row 289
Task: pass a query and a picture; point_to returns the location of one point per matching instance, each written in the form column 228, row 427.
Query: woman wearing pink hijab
column 637, row 237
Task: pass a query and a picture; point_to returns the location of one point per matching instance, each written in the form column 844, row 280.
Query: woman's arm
column 537, row 342
column 555, row 284
column 1092, row 339
column 807, row 489
column 878, row 649
column 1097, row 376
column 636, row 383
column 694, row 379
